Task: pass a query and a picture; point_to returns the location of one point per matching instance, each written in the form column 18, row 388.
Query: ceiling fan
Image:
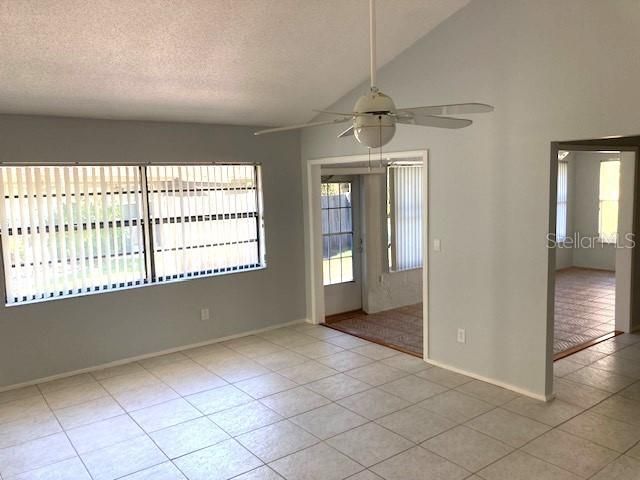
column 374, row 116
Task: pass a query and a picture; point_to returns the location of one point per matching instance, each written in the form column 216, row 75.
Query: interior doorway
column 368, row 233
column 592, row 240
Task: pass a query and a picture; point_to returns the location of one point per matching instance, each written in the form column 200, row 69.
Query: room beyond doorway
column 399, row 328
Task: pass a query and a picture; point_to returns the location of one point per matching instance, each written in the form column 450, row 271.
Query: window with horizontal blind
column 404, row 216
column 74, row 230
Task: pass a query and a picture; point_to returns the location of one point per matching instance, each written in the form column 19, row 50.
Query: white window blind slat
column 561, row 215
column 406, row 203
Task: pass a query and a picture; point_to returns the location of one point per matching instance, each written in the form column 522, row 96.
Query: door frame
column 627, row 286
column 313, row 229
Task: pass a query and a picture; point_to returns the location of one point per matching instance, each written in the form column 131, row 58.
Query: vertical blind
column 405, row 209
column 205, row 219
column 70, row 230
column 81, row 229
column 561, row 215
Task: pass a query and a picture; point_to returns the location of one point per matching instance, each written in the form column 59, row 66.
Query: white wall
column 554, row 71
column 586, row 211
column 58, row 336
column 383, row 290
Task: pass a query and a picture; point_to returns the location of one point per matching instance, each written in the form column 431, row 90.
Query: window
column 337, row 232
column 404, row 216
column 82, row 229
column 609, row 195
column 561, row 217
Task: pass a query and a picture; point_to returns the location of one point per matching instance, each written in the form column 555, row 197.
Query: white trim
column 313, row 221
column 149, row 355
column 497, row 383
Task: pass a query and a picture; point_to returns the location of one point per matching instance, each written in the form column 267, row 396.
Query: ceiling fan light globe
column 374, row 132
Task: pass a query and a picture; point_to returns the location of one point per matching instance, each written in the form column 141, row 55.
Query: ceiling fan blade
column 302, row 125
column 454, row 109
column 329, row 112
column 347, row 132
column 433, row 121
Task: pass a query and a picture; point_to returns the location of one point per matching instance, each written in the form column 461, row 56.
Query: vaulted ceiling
column 253, row 62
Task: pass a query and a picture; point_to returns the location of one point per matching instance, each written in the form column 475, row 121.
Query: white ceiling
column 253, row 62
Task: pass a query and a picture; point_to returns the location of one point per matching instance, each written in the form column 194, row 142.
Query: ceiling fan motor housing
column 379, row 128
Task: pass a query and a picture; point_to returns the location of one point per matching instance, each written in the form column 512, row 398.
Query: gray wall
column 555, row 71
column 53, row 337
column 586, row 211
column 383, row 290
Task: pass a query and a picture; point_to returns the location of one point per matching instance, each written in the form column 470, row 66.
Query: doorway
column 368, row 234
column 591, row 267
column 341, row 244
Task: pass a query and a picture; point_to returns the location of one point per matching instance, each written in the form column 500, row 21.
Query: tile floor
column 399, row 328
column 311, row 403
column 585, row 306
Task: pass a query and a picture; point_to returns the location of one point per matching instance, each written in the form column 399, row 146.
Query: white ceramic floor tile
column 294, row 402
column 19, row 394
column 551, row 413
column 406, row 362
column 28, row 428
column 346, row 360
column 467, row 448
column 243, row 419
column 620, row 408
column 419, row 464
column 487, row 392
column 280, row 360
column 260, row 473
column 413, row 389
column 165, row 415
column 374, row 403
column 338, row 386
column 222, row 461
column 317, row 349
column 66, row 397
column 276, row 441
column 307, row 372
column 188, row 437
column 164, row 471
column 510, row 428
column 19, row 409
column 444, row 377
column 327, row 421
column 35, row 454
column 89, row 412
column 600, row 379
column 369, row 444
column 123, row 458
column 416, row 424
column 266, row 385
column 571, row 453
column 521, row 466
column 71, row 469
column 318, row 462
column 376, row 374
column 145, row 396
column 375, row 352
column 624, row 468
column 118, row 370
column 604, row 431
column 104, row 433
column 456, row 406
column 578, row 394
column 219, row 399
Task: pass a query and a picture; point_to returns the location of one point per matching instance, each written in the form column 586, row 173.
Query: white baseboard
column 148, row 355
column 497, row 383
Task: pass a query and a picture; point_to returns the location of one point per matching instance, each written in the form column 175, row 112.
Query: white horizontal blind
column 561, row 216
column 206, row 219
column 70, row 230
column 405, row 182
column 609, row 197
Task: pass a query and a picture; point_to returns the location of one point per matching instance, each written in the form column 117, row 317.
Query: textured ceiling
column 255, row 62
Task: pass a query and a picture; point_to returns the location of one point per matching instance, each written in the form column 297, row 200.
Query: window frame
column 151, row 279
column 565, row 164
column 333, row 234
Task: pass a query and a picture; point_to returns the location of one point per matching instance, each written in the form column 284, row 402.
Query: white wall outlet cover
column 204, row 314
column 436, row 244
column 462, row 335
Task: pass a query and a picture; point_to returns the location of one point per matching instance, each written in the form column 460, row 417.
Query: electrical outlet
column 462, row 335
column 204, row 314
column 437, row 245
